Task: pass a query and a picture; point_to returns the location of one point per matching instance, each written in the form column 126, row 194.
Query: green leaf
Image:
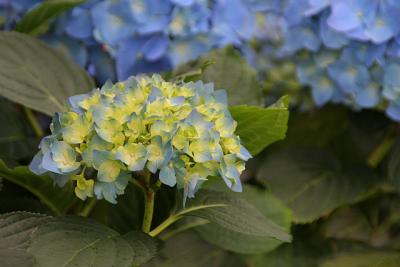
column 231, row 72
column 188, row 250
column 300, row 253
column 260, row 127
column 16, row 229
column 365, row 259
column 74, row 241
column 43, row 187
column 37, row 76
column 269, row 206
column 15, row 144
column 39, row 16
column 348, row 223
column 237, row 215
column 317, row 128
column 393, row 166
column 312, row 183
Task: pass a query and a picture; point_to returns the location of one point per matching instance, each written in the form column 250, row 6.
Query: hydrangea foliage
column 182, row 133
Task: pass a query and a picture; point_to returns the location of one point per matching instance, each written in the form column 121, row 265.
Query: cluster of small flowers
column 347, row 51
column 182, row 133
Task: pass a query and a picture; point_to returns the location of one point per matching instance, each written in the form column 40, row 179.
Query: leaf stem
column 33, row 122
column 88, row 207
column 177, row 216
column 183, row 228
column 381, row 150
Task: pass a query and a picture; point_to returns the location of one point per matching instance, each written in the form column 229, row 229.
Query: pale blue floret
column 110, row 191
column 60, row 158
column 230, row 173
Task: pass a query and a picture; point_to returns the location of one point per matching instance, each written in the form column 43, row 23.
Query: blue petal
column 167, row 176
column 393, row 111
column 238, row 16
column 368, row 97
column 331, row 38
column 183, row 2
column 36, row 165
column 344, row 16
column 155, row 47
column 79, row 24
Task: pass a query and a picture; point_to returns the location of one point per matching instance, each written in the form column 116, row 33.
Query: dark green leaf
column 296, row 254
column 56, row 198
column 259, row 127
column 188, row 250
column 316, row 128
column 35, row 75
column 16, row 229
column 74, row 241
column 348, row 223
column 269, row 206
column 15, row 144
column 39, row 16
column 365, row 259
column 238, row 215
column 311, row 182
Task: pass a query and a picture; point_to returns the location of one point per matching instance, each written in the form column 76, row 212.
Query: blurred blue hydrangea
column 346, row 51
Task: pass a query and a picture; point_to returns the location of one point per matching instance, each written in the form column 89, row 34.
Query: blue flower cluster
column 346, row 51
column 119, row 38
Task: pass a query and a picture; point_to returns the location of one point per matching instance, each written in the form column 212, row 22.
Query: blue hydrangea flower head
column 183, row 133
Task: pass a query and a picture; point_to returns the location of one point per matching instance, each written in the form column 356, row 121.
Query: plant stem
column 148, row 209
column 379, row 153
column 149, row 196
column 33, row 122
column 88, row 207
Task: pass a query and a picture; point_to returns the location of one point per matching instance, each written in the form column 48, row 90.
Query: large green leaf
column 74, row 241
column 259, row 127
column 269, row 206
column 312, row 183
column 39, row 16
column 56, row 198
column 15, row 233
column 237, row 215
column 365, row 259
column 188, row 250
column 229, row 71
column 37, row 76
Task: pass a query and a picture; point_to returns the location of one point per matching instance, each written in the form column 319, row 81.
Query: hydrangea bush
column 163, row 170
column 182, row 133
